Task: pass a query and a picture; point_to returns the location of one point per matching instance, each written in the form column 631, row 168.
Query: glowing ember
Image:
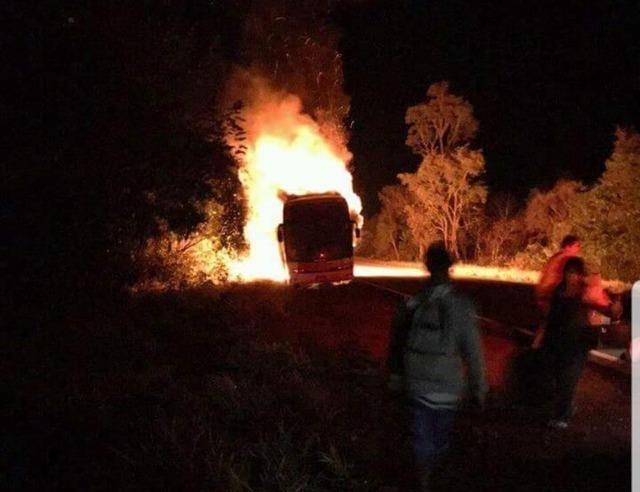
column 286, row 155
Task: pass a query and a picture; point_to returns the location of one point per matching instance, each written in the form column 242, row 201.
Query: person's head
column 573, row 274
column 571, row 245
column 437, row 259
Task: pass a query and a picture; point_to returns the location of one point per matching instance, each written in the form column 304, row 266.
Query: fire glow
column 400, row 269
column 286, row 155
column 366, row 267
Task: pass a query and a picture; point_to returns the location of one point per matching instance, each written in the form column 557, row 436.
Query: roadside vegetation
column 265, row 388
column 446, row 198
column 199, row 390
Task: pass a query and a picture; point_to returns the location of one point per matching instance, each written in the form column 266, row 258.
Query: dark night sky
column 548, row 81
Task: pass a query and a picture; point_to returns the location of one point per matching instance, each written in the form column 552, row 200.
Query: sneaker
column 558, row 424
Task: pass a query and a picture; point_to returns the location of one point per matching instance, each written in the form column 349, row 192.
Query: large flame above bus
column 287, row 154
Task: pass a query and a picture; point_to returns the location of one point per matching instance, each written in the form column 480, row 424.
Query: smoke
column 266, row 109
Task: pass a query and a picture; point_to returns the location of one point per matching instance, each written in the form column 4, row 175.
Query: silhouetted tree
column 113, row 110
column 441, row 124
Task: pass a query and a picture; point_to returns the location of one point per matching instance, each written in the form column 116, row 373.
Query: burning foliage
column 173, row 261
column 283, row 109
column 279, row 151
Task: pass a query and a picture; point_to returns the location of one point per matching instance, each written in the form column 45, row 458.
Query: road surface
column 508, row 446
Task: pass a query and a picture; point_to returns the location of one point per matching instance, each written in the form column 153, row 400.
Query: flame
column 286, row 155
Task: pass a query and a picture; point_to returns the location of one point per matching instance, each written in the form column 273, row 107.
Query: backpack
column 428, row 333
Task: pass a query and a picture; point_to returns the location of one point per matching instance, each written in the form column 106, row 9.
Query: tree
column 391, row 225
column 132, row 88
column 500, row 232
column 445, row 194
column 604, row 215
column 441, row 124
column 548, row 216
column 607, row 216
column 546, row 219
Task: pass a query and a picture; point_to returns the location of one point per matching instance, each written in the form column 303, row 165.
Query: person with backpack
column 434, row 335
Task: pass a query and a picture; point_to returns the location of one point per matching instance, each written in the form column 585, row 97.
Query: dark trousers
column 430, row 433
column 568, row 369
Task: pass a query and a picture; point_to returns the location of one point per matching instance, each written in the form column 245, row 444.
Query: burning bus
column 316, row 237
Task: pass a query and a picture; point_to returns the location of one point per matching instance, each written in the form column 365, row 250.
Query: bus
column 316, row 237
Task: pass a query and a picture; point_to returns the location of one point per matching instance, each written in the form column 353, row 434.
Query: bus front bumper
column 335, row 271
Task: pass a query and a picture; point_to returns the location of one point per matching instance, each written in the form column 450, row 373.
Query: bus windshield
column 317, row 231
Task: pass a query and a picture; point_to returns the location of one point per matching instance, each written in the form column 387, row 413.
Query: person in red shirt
column 569, row 335
column 550, row 278
column 551, row 275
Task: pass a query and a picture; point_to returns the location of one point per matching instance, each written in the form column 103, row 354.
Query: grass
column 264, row 388
column 185, row 391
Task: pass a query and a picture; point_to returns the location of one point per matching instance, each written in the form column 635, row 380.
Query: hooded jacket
column 434, row 335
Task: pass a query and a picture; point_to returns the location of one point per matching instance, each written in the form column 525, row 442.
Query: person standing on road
column 550, row 277
column 434, row 335
column 569, row 336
